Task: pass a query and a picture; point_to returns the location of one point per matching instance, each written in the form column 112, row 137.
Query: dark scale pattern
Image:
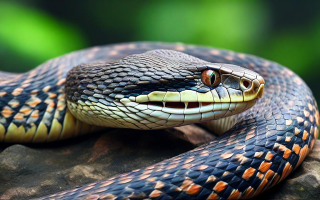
column 142, row 74
column 135, row 75
column 31, row 102
column 266, row 144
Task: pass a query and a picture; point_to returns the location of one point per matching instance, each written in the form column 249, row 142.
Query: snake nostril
column 246, row 84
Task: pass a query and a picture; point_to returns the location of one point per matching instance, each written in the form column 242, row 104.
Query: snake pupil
column 212, row 78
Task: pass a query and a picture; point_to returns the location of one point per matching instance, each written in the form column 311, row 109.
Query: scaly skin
column 268, row 141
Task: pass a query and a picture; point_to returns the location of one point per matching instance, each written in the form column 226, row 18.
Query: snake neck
column 33, row 105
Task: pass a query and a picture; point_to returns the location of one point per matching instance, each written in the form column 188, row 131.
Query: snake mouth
column 188, row 108
column 177, row 105
column 160, row 109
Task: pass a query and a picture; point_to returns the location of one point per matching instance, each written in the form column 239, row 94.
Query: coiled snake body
column 137, row 85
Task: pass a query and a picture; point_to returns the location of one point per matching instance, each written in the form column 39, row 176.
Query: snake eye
column 210, row 78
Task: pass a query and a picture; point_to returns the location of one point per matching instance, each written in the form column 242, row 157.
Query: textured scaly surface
column 268, row 141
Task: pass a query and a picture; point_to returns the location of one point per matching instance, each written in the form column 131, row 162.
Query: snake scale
column 147, row 85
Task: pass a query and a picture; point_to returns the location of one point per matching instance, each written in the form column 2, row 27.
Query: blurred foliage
column 212, row 23
column 35, row 35
column 32, row 31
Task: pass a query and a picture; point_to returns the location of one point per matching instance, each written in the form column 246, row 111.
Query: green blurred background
column 288, row 32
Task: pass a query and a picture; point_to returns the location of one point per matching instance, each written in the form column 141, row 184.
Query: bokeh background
column 287, row 31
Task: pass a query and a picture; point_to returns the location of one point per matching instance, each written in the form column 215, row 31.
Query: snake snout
column 252, row 89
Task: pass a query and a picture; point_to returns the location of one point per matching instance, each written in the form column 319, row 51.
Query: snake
column 154, row 85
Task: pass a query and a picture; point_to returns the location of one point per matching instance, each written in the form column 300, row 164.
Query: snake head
column 160, row 89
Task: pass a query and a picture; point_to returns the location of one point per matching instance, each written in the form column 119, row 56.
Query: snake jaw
column 187, row 112
column 191, row 106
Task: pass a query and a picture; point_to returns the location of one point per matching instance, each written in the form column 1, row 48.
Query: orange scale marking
column 296, row 131
column 248, row 193
column 190, row 159
column 305, row 135
column 151, row 167
column 7, row 112
column 316, row 132
column 187, row 166
column 264, row 166
column 242, row 56
column 203, row 167
column 155, row 193
column 61, row 81
column 2, row 94
column 159, row 185
column 235, row 194
column 258, row 154
column 107, row 196
column 204, row 153
column 303, row 153
column 46, row 89
column 172, row 166
column 35, row 114
column 288, row 139
column 193, row 189
column 25, row 110
column 248, row 173
column 240, row 146
column 186, row 183
column 287, row 153
column 215, row 52
column 269, row 156
column 260, row 175
column 213, row 196
column 151, row 179
column 230, row 58
column 17, row 91
column 306, row 113
column 126, row 180
column 282, row 148
column 14, row 103
column 220, row 186
column 33, row 102
column 226, row 155
column 88, row 188
column 18, row 116
column 211, row 178
column 33, row 92
column 249, row 136
column 300, row 119
column 286, row 171
column 144, row 176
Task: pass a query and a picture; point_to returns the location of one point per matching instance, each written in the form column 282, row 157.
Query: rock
column 29, row 171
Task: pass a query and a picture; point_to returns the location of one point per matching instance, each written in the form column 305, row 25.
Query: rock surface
column 29, row 171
